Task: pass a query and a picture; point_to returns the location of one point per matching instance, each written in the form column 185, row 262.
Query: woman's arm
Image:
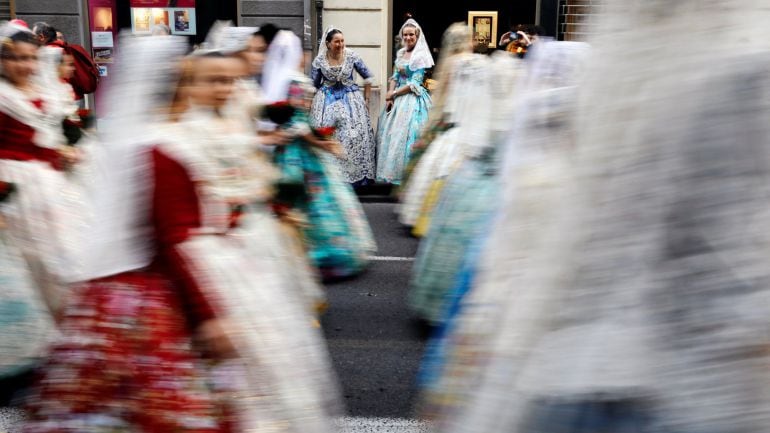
column 175, row 215
column 330, row 145
column 363, row 70
column 315, row 74
column 414, row 85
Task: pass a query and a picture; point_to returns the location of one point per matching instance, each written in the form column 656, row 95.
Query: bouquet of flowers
column 325, row 132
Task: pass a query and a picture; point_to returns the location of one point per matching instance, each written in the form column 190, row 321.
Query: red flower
column 325, row 131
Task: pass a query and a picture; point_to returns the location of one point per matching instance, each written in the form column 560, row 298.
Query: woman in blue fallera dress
column 337, row 237
column 408, row 103
column 339, row 240
column 340, row 103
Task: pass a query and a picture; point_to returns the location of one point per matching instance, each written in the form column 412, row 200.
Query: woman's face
column 213, row 81
column 19, row 63
column 254, row 55
column 409, row 37
column 66, row 67
column 337, row 44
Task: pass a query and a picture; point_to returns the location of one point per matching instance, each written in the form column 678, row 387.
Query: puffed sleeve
column 175, row 215
column 362, row 69
column 415, row 81
column 316, row 75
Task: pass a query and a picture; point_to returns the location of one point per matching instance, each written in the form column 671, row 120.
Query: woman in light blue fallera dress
column 408, row 104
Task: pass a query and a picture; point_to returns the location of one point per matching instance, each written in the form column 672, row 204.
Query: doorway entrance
column 435, row 16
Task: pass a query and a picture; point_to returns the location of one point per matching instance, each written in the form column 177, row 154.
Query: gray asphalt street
column 375, row 345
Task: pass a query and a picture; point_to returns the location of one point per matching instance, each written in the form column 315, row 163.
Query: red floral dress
column 126, row 360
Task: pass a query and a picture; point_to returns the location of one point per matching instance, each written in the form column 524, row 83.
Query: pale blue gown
column 400, row 128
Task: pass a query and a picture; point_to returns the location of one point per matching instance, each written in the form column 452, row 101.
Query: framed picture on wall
column 484, row 27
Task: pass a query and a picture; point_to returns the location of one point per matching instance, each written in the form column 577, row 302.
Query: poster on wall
column 103, row 26
column 183, row 21
column 103, row 29
column 177, row 15
column 104, row 55
column 143, row 20
column 162, row 3
column 484, row 27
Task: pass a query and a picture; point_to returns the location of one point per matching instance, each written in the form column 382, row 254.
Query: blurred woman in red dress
column 126, row 360
column 38, row 252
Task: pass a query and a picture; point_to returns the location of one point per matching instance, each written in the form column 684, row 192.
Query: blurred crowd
column 590, row 221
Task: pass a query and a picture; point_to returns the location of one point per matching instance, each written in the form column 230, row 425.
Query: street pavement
column 376, row 346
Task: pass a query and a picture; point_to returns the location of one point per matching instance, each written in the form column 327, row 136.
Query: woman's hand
column 275, row 138
column 389, row 105
column 214, row 337
column 70, row 155
column 332, row 146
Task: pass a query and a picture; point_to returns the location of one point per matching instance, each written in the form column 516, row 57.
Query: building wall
column 65, row 15
column 576, row 18
column 290, row 14
column 5, row 10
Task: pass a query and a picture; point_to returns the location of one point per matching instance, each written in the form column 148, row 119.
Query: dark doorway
column 435, row 16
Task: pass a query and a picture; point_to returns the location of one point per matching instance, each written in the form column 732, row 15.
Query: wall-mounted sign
column 178, row 16
column 162, row 3
column 484, row 27
column 102, row 40
column 104, row 55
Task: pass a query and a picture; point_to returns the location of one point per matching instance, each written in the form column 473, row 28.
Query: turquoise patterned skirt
column 338, row 237
column 398, row 130
column 468, row 199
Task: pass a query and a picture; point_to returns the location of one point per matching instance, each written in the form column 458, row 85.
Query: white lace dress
column 340, row 103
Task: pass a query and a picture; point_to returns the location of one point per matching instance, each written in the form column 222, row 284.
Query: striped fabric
column 5, row 10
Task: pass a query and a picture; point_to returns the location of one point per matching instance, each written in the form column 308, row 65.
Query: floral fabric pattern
column 340, row 103
column 127, row 363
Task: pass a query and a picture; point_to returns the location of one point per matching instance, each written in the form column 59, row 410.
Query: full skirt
column 125, row 363
column 287, row 383
column 397, row 132
column 354, row 131
column 468, row 199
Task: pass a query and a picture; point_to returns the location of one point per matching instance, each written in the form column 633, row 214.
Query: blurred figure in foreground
column 640, row 303
column 126, row 359
column 337, row 235
column 462, row 177
column 220, row 183
column 40, row 212
column 536, row 146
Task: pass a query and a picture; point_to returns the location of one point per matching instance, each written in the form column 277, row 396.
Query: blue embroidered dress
column 340, row 103
column 400, row 128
